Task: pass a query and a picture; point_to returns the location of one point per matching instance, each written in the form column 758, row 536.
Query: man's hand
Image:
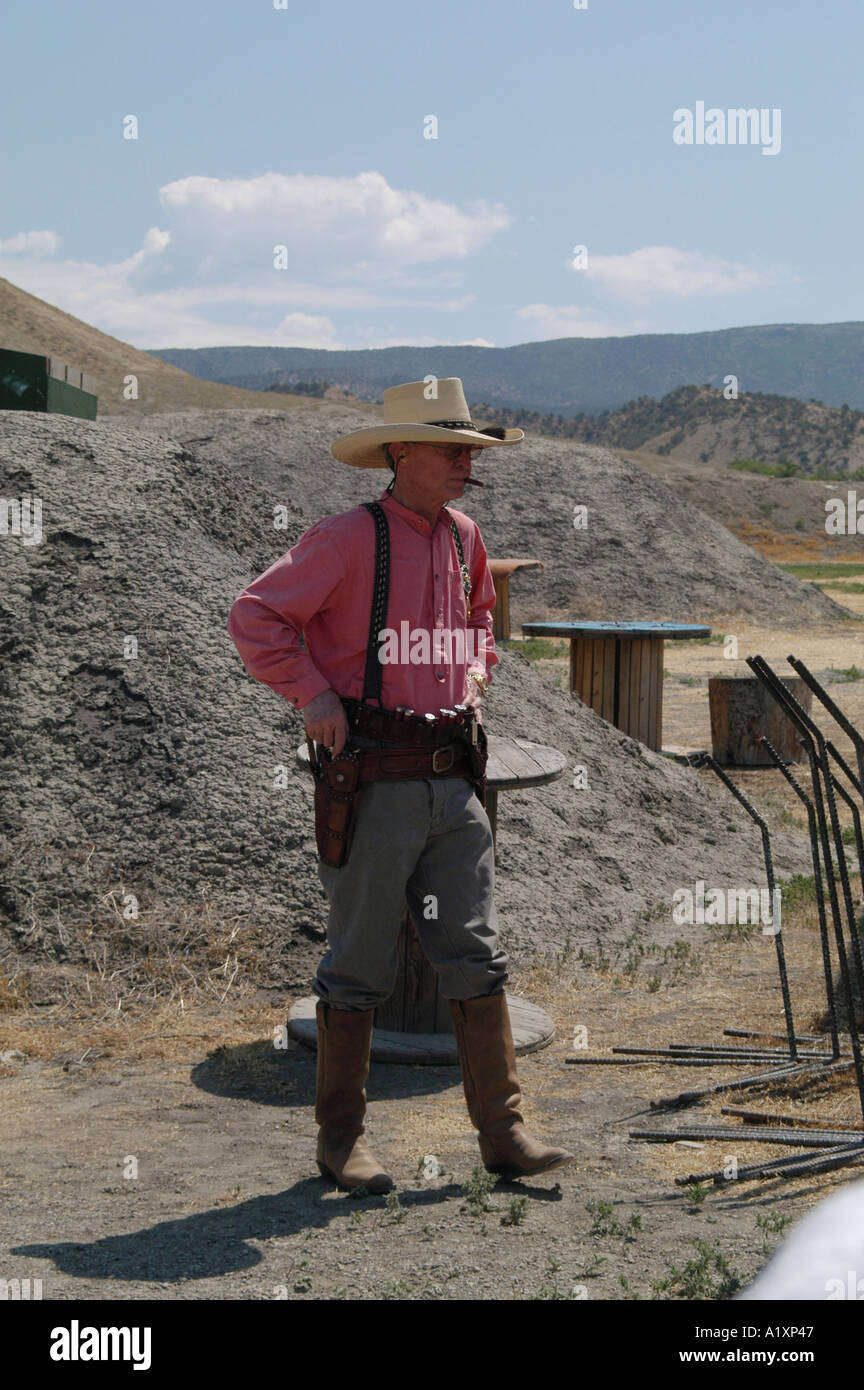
column 326, row 722
column 473, row 697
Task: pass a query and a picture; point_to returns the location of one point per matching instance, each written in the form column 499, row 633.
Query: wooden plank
column 588, row 648
column 596, row 675
column 607, row 706
column 499, row 768
column 644, row 692
column 653, row 671
column 658, row 692
column 650, row 695
column 622, row 708
column 577, row 664
column 550, row 761
column 635, row 679
column 518, row 765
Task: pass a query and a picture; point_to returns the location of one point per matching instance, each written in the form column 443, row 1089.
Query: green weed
column 706, row 1276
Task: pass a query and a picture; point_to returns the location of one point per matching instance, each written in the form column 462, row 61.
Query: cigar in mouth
column 473, row 482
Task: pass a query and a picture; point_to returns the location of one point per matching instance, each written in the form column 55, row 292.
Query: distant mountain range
column 567, row 376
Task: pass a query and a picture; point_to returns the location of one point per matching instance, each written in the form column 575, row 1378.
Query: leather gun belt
column 401, row 764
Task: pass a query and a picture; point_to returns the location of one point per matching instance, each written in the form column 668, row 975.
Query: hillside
column 645, row 553
column 697, row 423
column 782, row 518
column 28, row 324
column 569, row 375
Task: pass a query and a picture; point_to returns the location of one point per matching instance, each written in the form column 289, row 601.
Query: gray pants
column 427, row 843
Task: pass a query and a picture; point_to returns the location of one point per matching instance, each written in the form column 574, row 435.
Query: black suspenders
column 381, row 593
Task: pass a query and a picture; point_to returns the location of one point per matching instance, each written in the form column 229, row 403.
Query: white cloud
column 30, row 244
column 432, row 342
column 334, row 223
column 661, row 272
column 207, row 276
column 567, row 321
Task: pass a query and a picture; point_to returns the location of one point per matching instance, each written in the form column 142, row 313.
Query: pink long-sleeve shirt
column 322, row 589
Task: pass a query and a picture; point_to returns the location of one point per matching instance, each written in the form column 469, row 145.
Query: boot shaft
column 344, row 1043
column 487, row 1056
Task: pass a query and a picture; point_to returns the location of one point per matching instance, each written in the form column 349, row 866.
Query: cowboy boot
column 344, row 1040
column 488, row 1061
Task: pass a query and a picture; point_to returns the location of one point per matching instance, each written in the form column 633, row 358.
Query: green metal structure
column 29, row 381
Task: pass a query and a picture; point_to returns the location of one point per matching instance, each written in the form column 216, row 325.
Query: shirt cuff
column 301, row 693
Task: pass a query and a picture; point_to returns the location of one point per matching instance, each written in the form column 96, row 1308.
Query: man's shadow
column 209, row 1244
column 270, row 1074
column 213, row 1243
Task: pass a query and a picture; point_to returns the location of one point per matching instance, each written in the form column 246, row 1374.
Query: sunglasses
column 452, row 452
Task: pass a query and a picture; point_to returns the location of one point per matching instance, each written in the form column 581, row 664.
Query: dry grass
column 146, row 988
column 791, row 548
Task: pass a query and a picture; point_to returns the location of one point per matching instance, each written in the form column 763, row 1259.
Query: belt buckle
column 448, row 748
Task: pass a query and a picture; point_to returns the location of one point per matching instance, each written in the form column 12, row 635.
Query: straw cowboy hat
column 409, row 416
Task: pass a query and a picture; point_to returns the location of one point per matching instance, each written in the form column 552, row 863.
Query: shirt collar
column 388, row 501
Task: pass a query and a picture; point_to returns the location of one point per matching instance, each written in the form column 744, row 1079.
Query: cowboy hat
column 411, row 416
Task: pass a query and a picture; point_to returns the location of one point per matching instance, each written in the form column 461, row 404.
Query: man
column 418, row 834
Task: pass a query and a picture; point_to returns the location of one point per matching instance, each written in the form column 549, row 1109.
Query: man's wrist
column 481, row 680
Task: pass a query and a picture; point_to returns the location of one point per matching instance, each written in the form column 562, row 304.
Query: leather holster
column 478, row 753
column 337, row 792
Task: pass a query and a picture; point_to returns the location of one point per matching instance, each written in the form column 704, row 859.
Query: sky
column 209, row 172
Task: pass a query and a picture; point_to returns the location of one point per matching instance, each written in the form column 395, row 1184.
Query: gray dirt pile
column 644, row 554
column 170, row 775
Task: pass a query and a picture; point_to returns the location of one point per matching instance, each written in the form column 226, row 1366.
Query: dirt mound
column 169, row 778
column 644, row 553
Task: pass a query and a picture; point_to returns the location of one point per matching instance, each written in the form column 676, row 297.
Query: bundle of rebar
column 802, row 1055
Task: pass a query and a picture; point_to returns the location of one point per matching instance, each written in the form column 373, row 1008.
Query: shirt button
column 439, row 676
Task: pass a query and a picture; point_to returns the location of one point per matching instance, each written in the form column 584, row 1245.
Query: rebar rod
column 652, row 1061
column 839, row 1158
column 758, row 1117
column 834, row 710
column 856, row 818
column 813, row 831
column 836, row 829
column 709, row 761
column 856, row 781
column 732, row 1051
column 759, row 1033
column 748, row 1134
column 738, row 1054
column 735, row 1083
column 790, row 1165
column 810, row 734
